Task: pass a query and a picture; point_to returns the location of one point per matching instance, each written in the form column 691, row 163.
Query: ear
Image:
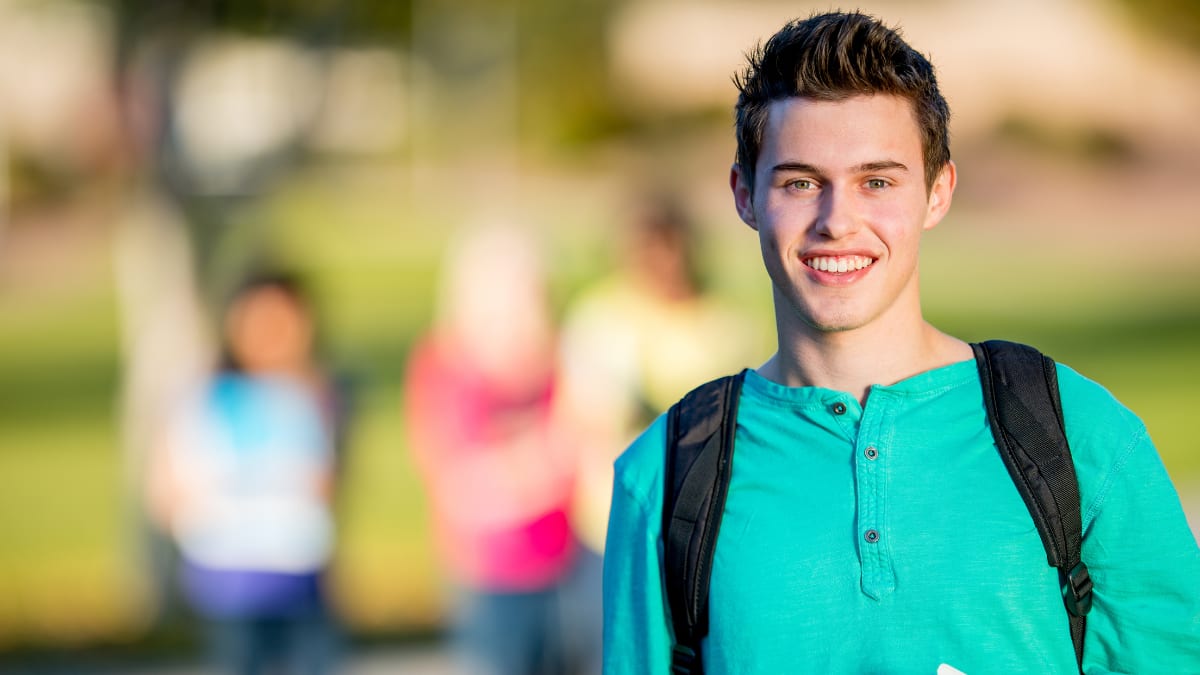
column 743, row 195
column 941, row 195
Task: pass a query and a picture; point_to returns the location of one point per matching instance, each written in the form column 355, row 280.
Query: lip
column 837, row 278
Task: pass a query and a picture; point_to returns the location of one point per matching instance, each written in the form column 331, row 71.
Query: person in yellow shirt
column 631, row 345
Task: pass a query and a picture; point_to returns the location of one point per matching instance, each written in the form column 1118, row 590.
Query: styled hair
column 831, row 57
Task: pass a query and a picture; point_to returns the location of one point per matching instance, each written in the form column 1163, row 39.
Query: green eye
column 802, row 184
column 876, row 183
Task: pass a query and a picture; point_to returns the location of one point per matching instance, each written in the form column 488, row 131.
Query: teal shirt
column 957, row 573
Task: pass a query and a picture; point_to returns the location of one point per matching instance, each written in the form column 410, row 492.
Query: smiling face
column 839, row 201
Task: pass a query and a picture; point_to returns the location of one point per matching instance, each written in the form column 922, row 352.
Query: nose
column 836, row 217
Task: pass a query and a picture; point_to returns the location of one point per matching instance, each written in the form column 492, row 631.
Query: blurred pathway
column 431, row 659
column 426, row 660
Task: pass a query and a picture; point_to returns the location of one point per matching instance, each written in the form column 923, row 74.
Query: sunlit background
column 151, row 151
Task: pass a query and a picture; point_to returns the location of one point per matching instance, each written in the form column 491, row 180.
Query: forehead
column 848, row 132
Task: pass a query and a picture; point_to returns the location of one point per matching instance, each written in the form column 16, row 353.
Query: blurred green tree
column 1178, row 20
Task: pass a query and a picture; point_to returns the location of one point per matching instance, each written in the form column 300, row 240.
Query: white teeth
column 839, row 264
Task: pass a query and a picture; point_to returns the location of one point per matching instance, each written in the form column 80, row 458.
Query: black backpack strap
column 700, row 431
column 1020, row 390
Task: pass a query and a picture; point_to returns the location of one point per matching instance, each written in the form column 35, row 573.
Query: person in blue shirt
column 870, row 524
column 245, row 481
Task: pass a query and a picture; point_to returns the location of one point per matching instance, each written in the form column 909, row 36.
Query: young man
column 870, row 523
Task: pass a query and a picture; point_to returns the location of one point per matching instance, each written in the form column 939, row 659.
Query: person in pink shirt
column 478, row 397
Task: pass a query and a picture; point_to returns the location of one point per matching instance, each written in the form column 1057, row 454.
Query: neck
column 854, row 360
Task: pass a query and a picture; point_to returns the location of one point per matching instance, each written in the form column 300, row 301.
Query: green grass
column 63, row 573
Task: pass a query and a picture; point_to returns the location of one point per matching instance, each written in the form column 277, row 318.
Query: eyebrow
column 796, row 167
column 867, row 167
column 879, row 166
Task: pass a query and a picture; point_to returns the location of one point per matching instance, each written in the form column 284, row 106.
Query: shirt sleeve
column 1145, row 565
column 637, row 637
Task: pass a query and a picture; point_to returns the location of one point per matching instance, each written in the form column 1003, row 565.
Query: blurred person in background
column 245, row 483
column 211, row 123
column 479, row 395
column 632, row 344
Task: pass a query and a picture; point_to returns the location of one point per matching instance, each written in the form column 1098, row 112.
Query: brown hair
column 831, row 57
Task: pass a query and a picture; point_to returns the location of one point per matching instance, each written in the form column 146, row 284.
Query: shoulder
column 600, row 325
column 1107, row 439
column 205, row 397
column 433, row 365
column 428, row 351
column 639, row 470
column 1091, row 412
column 423, row 360
column 603, row 299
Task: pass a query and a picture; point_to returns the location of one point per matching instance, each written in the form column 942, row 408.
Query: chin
column 821, row 315
column 832, row 322
column 834, row 326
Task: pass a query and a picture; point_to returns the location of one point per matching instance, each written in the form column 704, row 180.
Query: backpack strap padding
column 1020, row 391
column 1019, row 387
column 700, row 433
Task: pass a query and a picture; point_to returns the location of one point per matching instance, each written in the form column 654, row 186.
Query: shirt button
column 871, row 536
column 871, row 453
column 839, row 408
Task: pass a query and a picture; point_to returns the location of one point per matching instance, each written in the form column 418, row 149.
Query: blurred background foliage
column 1177, row 20
column 349, row 140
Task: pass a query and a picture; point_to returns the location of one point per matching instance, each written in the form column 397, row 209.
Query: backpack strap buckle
column 1077, row 591
column 684, row 660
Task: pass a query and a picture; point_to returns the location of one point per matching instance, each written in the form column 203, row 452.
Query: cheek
column 900, row 226
column 769, row 243
column 777, row 223
column 772, row 243
column 773, row 257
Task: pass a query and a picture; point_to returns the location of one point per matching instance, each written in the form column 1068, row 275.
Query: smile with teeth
column 839, row 264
